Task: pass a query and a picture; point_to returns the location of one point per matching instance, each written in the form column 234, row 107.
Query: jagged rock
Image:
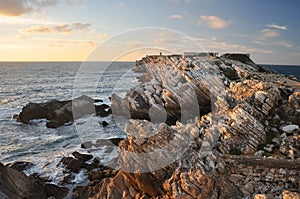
column 290, row 146
column 60, row 112
column 105, row 123
column 260, row 196
column 14, row 184
column 72, row 164
column 289, row 110
column 82, row 157
column 20, row 166
column 290, row 128
column 290, row 195
column 243, row 58
column 56, row 191
column 103, row 110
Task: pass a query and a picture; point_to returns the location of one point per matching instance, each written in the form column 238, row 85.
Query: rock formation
column 60, row 112
column 198, row 127
column 229, row 133
column 14, row 184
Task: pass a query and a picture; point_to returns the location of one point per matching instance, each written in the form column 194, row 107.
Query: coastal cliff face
column 207, row 127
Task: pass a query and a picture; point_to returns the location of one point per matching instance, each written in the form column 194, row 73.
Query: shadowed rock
column 60, row 112
column 16, row 185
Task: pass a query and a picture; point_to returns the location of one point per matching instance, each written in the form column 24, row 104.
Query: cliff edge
column 207, row 127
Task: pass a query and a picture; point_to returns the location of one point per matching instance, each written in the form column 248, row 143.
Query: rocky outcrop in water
column 60, row 112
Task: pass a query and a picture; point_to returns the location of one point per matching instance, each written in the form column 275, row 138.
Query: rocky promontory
column 198, row 127
column 214, row 127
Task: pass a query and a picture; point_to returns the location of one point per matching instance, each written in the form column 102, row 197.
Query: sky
column 126, row 30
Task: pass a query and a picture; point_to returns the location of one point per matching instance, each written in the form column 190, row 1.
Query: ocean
column 25, row 82
column 293, row 70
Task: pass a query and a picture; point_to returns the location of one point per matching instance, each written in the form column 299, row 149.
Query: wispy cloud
column 64, row 28
column 274, row 43
column 176, row 16
column 284, row 44
column 213, row 22
column 15, row 8
column 214, row 45
column 268, row 33
column 276, row 26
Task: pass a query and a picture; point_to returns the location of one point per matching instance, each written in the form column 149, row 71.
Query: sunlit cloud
column 268, row 33
column 176, row 16
column 64, row 28
column 39, row 29
column 14, row 8
column 273, row 25
column 213, row 22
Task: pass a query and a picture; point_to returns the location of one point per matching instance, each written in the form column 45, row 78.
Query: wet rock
column 104, row 123
column 59, row 113
column 80, row 192
column 14, row 184
column 103, row 110
column 56, row 191
column 82, row 157
column 20, row 166
column 72, row 164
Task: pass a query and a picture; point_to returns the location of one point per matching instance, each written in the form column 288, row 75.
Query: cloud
column 40, row 29
column 64, row 28
column 284, row 44
column 21, row 7
column 165, row 41
column 213, row 22
column 15, row 8
column 214, row 45
column 268, row 33
column 274, row 43
column 275, row 26
column 176, row 16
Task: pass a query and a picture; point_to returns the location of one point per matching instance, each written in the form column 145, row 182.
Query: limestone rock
column 290, row 195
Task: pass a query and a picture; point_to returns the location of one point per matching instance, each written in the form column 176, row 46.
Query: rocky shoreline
column 210, row 127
